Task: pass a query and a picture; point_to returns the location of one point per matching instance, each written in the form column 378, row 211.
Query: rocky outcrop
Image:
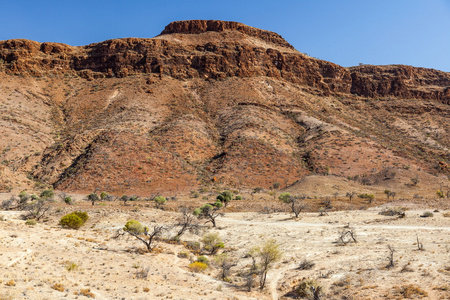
column 400, row 81
column 229, row 56
column 202, row 26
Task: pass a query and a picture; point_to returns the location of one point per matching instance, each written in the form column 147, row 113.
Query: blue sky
column 346, row 32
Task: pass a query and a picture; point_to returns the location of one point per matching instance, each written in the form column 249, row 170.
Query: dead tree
column 347, row 235
column 186, row 222
column 391, row 257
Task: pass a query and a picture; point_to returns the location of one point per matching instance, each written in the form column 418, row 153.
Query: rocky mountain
column 214, row 103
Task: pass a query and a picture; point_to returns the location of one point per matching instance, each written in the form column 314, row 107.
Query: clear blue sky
column 346, row 32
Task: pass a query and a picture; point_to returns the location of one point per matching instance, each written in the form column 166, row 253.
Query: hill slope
column 213, row 102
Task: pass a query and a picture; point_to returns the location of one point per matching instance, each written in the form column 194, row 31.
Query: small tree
column 268, row 254
column 37, row 209
column 369, row 197
column 350, row 195
column 142, row 233
column 225, row 197
column 293, row 202
column 347, row 235
column 93, row 197
column 212, row 242
column 390, row 257
column 209, row 212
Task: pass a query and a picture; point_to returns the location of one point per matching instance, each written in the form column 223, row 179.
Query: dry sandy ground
column 35, row 258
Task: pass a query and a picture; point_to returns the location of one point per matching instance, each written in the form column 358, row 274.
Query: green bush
column 225, row 197
column 71, row 221
column 160, row 201
column 134, row 227
column 74, row 220
column 82, row 215
column 238, row 197
column 48, row 194
column 203, row 259
column 68, row 200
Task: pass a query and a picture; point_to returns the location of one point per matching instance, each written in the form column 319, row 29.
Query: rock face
column 220, row 58
column 210, row 102
column 202, row 26
column 403, row 82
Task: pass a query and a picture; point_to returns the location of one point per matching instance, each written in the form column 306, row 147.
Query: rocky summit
column 215, row 103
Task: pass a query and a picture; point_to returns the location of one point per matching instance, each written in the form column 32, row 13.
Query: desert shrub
column 31, row 222
column 212, row 242
column 47, row 194
column 427, row 214
column 160, row 201
column 411, row 291
column 68, row 200
column 103, row 195
column 134, row 226
column 203, row 259
column 393, row 211
column 71, row 221
column 194, row 194
column 183, row 255
column 194, row 246
column 82, row 215
column 87, row 293
column 447, row 214
column 306, row 287
column 59, row 287
column 197, row 267
column 440, row 194
column 306, row 265
column 238, row 197
column 71, row 266
column 142, row 273
column 11, row 283
column 369, row 197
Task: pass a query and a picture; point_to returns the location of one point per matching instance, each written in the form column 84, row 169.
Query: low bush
column 203, row 259
column 82, row 215
column 74, row 220
column 197, row 267
column 307, row 288
column 31, row 222
column 427, row 214
column 71, row 221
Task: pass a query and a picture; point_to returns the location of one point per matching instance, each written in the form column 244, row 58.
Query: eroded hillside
column 212, row 102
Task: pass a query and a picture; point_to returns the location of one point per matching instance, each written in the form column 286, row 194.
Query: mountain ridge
column 212, row 103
